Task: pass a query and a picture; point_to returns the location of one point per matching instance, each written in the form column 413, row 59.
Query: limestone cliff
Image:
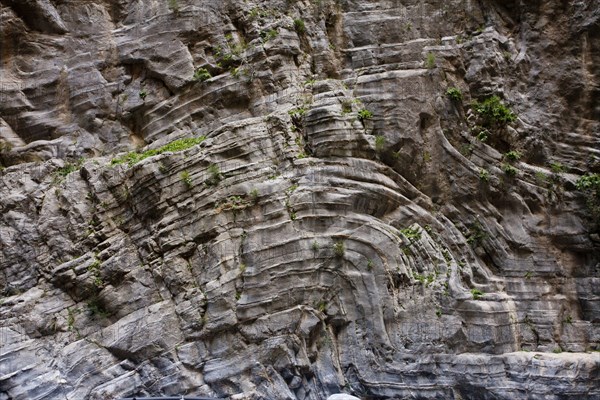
column 289, row 199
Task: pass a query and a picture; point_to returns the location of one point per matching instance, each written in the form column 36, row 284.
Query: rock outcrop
column 293, row 199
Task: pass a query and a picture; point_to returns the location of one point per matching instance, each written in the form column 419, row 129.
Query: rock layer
column 344, row 226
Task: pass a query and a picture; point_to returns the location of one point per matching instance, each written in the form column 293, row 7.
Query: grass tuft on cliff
column 134, row 157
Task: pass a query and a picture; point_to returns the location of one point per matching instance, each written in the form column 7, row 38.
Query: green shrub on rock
column 494, row 112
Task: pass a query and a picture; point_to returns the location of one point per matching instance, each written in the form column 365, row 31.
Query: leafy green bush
column 253, row 195
column 364, row 114
column 482, row 134
column 494, row 112
column 269, row 34
column 202, row 74
column 558, row 168
column 339, row 249
column 476, row 234
column 412, row 234
column 297, row 112
column 187, row 179
column 454, row 94
column 512, row 155
column 590, row 182
column 509, row 170
column 174, row 6
column 215, row 175
column 476, row 293
column 60, row 174
column 299, row 26
column 430, row 61
column 484, row 175
column 590, row 186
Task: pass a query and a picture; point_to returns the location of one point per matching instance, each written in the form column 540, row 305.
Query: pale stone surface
column 327, row 253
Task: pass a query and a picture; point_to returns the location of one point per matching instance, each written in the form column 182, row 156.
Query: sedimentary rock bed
column 291, row 199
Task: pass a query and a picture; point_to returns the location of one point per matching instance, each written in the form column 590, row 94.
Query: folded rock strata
column 339, row 225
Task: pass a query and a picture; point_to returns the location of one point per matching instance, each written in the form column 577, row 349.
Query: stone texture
column 300, row 251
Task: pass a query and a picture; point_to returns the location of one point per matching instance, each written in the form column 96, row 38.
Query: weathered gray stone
column 305, row 248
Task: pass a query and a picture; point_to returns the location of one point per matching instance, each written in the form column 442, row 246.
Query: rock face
column 346, row 220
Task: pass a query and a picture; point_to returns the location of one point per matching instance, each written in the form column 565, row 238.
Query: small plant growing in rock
column 177, row 145
column 143, row 94
column 174, row 6
column 589, row 182
column 454, row 94
column 253, row 195
column 315, row 245
column 202, row 74
column 476, row 293
column 364, row 114
column 322, row 306
column 512, row 156
column 71, row 318
column 494, row 112
column 269, row 35
column 346, row 107
column 509, row 170
column 214, row 175
column 186, row 178
column 5, row 146
column 412, row 234
column 558, row 168
column 379, row 143
column 95, row 307
column 299, row 26
column 430, row 61
column 483, row 135
column 297, row 112
column 476, row 234
column 339, row 249
column 589, row 185
column 484, row 175
column 60, row 174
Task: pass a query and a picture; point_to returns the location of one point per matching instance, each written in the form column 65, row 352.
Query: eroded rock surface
column 346, row 225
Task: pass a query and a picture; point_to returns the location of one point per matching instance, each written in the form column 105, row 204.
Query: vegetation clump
column 430, row 61
column 512, row 155
column 412, row 234
column 134, row 157
column 299, row 26
column 454, row 94
column 187, row 179
column 484, row 175
column 494, row 112
column 60, row 174
column 339, row 249
column 364, row 114
column 476, row 293
column 269, row 34
column 476, row 234
column 509, row 170
column 590, row 186
column 202, row 74
column 214, row 175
